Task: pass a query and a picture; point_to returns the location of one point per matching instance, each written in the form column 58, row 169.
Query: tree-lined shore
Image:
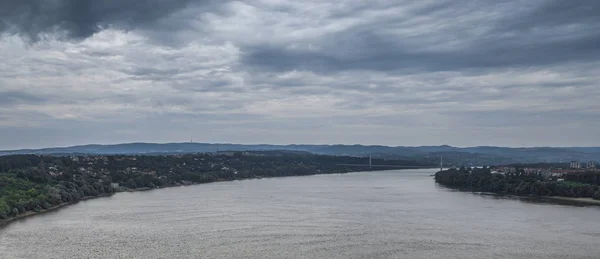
column 32, row 183
column 584, row 185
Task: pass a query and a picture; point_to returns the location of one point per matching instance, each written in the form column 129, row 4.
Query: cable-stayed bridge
column 371, row 165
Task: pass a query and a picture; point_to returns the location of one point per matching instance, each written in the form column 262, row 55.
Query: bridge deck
column 390, row 166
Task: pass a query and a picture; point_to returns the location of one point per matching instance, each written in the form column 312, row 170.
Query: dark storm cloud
column 547, row 33
column 81, row 18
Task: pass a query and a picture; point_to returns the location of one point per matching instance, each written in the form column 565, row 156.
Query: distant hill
column 452, row 155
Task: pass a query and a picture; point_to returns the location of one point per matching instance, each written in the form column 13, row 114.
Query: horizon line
column 289, row 144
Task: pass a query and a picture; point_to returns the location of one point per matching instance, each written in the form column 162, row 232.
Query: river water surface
column 391, row 214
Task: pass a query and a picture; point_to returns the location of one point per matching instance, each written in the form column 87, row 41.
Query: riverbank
column 588, row 201
column 5, row 222
column 27, row 214
column 553, row 199
column 523, row 185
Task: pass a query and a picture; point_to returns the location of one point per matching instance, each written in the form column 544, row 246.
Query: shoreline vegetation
column 6, row 222
column 32, row 184
column 582, row 188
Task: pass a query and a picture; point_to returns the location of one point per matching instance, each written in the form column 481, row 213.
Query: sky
column 412, row 72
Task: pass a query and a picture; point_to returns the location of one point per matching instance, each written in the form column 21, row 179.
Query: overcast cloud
column 414, row 72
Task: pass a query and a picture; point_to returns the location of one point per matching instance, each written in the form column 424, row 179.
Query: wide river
column 391, row 214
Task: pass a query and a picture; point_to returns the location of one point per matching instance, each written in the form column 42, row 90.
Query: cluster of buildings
column 574, row 167
column 578, row 165
column 546, row 173
column 504, row 170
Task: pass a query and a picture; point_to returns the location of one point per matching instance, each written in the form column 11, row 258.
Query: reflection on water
column 536, row 200
column 393, row 214
column 526, row 199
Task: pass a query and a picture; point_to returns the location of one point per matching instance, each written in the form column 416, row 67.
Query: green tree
column 597, row 195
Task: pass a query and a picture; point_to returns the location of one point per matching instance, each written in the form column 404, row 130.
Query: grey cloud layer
column 377, row 72
column 452, row 36
column 82, row 18
column 382, row 35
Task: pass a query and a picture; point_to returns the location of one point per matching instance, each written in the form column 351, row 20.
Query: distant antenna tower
column 370, row 161
column 441, row 163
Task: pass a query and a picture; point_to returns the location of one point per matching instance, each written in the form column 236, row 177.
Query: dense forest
column 481, row 179
column 31, row 183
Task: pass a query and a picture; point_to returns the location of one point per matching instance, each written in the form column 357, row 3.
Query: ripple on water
column 394, row 214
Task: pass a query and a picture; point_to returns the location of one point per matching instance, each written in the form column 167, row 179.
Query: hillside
column 453, row 155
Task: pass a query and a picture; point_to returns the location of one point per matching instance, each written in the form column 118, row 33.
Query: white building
column 575, row 164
